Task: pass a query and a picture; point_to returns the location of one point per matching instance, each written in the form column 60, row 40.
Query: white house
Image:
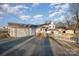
column 70, row 31
column 51, row 26
column 21, row 30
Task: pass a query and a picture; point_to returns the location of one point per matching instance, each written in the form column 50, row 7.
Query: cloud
column 24, row 17
column 5, row 6
column 53, row 4
column 56, row 13
column 63, row 6
column 1, row 15
column 59, row 13
column 13, row 9
column 62, row 18
column 38, row 17
column 53, row 14
column 58, row 10
column 17, row 9
column 35, row 4
column 59, row 6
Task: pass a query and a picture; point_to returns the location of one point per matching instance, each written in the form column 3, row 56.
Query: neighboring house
column 3, row 30
column 52, row 26
column 61, row 30
column 70, row 31
column 21, row 30
column 49, row 26
column 77, row 31
column 46, row 28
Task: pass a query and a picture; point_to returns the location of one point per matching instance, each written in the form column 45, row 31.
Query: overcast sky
column 33, row 13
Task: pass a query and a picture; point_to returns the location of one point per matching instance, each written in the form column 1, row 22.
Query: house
column 21, row 30
column 51, row 26
column 61, row 30
column 70, row 31
column 77, row 31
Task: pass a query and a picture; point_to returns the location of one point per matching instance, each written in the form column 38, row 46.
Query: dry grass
column 40, row 35
column 4, row 34
column 64, row 35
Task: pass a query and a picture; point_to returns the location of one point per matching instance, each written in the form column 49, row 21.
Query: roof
column 18, row 25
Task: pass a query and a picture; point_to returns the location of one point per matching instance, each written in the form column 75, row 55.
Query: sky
column 33, row 13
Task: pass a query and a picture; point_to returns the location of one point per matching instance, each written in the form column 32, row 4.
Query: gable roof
column 18, row 25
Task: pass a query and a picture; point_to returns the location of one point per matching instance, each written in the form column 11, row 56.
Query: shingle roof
column 18, row 25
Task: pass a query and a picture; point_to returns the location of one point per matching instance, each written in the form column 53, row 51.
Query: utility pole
column 77, row 19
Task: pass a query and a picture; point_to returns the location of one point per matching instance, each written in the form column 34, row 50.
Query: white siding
column 70, row 31
column 21, row 32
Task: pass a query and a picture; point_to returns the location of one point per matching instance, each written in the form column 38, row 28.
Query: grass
column 4, row 34
column 68, row 35
column 76, row 34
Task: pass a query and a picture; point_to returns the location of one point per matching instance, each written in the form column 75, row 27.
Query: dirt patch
column 4, row 34
column 40, row 36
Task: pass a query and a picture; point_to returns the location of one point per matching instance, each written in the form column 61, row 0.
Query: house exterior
column 52, row 26
column 70, row 31
column 46, row 28
column 21, row 30
column 49, row 26
column 77, row 31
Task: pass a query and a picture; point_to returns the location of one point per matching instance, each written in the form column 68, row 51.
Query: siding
column 21, row 32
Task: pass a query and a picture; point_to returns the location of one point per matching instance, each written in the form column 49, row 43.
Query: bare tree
column 67, row 21
column 76, row 13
